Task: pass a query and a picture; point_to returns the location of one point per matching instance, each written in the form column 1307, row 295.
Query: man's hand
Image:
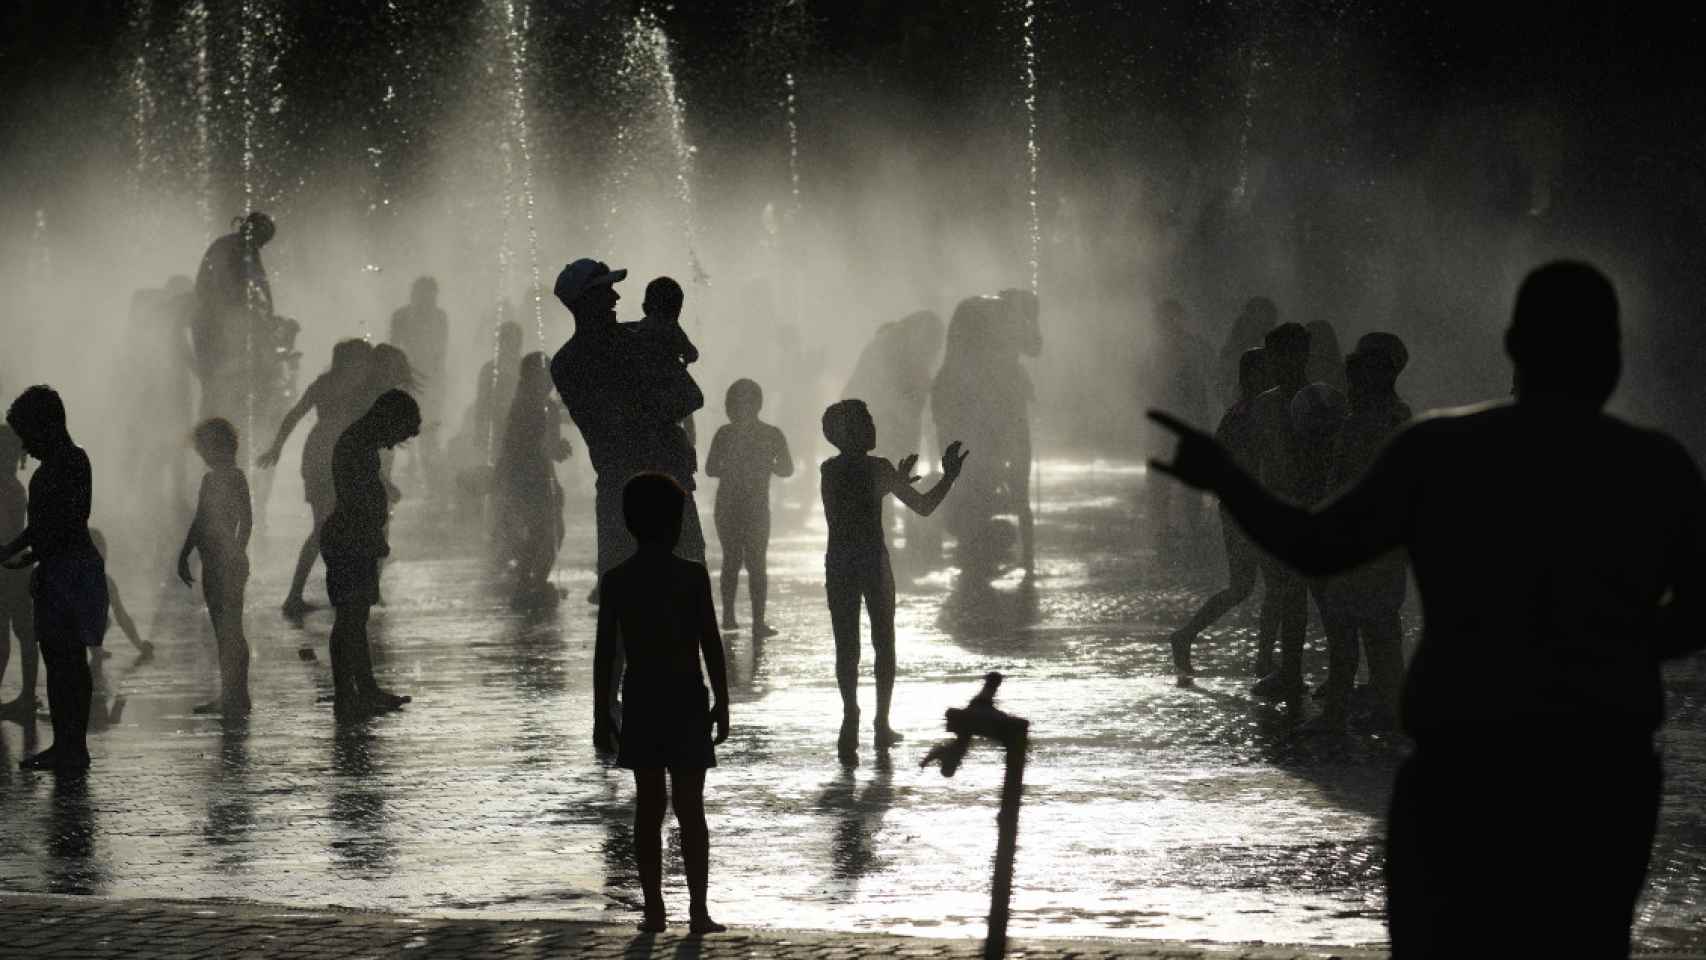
column 905, row 467
column 268, row 460
column 1199, row 461
column 720, row 717
column 184, row 570
column 953, row 459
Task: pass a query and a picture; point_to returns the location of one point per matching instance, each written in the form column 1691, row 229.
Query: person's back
column 852, row 507
column 1578, row 522
column 659, row 600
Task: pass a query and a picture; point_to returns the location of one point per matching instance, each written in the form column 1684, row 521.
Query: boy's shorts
column 352, row 580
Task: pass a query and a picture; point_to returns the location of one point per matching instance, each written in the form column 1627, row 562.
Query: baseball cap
column 582, row 275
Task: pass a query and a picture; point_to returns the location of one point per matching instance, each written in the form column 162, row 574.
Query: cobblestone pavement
column 1150, row 813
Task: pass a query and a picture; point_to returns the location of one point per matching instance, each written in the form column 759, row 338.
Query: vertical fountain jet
column 1027, row 10
column 647, row 66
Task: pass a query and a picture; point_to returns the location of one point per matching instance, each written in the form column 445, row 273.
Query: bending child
column 220, row 533
column 856, row 566
column 657, row 608
column 745, row 453
column 352, row 543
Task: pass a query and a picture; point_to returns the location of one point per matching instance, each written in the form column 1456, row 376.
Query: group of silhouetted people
column 1558, row 552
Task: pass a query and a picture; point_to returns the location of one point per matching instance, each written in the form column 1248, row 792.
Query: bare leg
column 294, row 604
column 734, row 554
column 758, row 575
column 881, row 603
column 650, row 802
column 844, row 596
column 687, row 789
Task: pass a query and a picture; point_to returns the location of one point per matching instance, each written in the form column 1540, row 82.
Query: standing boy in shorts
column 220, row 533
column 745, row 453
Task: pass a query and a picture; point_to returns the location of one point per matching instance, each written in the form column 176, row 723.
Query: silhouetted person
column 1175, row 375
column 656, row 615
column 1326, row 360
column 232, row 294
column 1366, row 605
column 220, row 533
column 662, row 319
column 1286, row 472
column 17, row 613
column 981, row 394
column 353, row 542
column 1561, row 557
column 1237, row 435
column 157, row 364
column 1249, row 331
column 69, row 584
column 528, row 530
column 628, row 398
column 336, row 398
column 745, row 453
column 856, row 565
column 494, row 389
column 115, row 606
column 422, row 331
column 893, row 376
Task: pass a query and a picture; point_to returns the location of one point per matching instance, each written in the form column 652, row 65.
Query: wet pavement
column 1150, row 811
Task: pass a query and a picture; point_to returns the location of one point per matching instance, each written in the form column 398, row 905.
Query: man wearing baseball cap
column 628, row 403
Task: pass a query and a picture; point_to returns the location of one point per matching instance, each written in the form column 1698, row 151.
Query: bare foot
column 763, row 631
column 654, row 921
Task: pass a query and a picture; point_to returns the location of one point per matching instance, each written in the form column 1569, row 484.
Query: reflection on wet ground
column 1150, row 811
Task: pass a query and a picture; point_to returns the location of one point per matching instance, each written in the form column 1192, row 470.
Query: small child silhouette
column 120, row 613
column 744, row 454
column 856, row 566
column 16, row 611
column 657, row 607
column 220, row 533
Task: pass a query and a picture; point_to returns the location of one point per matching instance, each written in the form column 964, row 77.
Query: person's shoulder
column 771, row 432
column 1658, row 448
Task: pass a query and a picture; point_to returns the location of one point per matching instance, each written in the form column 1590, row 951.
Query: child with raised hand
column 856, row 566
column 220, row 533
column 745, row 453
column 657, row 607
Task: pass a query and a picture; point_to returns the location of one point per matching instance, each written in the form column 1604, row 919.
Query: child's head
column 743, row 401
column 216, row 441
column 663, row 299
column 652, row 505
column 351, row 356
column 38, row 416
column 390, row 368
column 848, row 426
column 394, row 418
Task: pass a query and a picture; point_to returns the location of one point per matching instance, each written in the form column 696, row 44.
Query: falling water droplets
column 1028, row 15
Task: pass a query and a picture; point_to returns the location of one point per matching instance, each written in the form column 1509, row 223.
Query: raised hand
column 953, row 459
column 1199, row 461
column 905, row 467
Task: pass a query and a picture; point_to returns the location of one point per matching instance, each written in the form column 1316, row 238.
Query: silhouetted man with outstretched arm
column 1560, row 555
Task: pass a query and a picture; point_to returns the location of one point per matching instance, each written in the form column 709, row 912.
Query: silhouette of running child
column 353, row 542
column 745, row 453
column 657, row 608
column 528, row 530
column 1237, row 433
column 115, row 604
column 69, row 585
column 220, row 533
column 336, row 397
column 16, row 613
column 856, row 565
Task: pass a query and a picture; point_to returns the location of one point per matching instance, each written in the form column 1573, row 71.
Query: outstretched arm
column 122, row 615
column 269, row 459
column 924, row 504
column 1363, row 522
column 711, row 647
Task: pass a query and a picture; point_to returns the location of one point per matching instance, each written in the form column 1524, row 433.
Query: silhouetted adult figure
column 1175, row 376
column 1561, row 556
column 232, row 294
column 336, row 397
column 157, row 363
column 494, row 390
column 1326, row 360
column 628, row 395
column 69, row 584
column 893, row 377
column 982, row 395
column 527, row 527
column 1248, row 331
column 422, row 331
